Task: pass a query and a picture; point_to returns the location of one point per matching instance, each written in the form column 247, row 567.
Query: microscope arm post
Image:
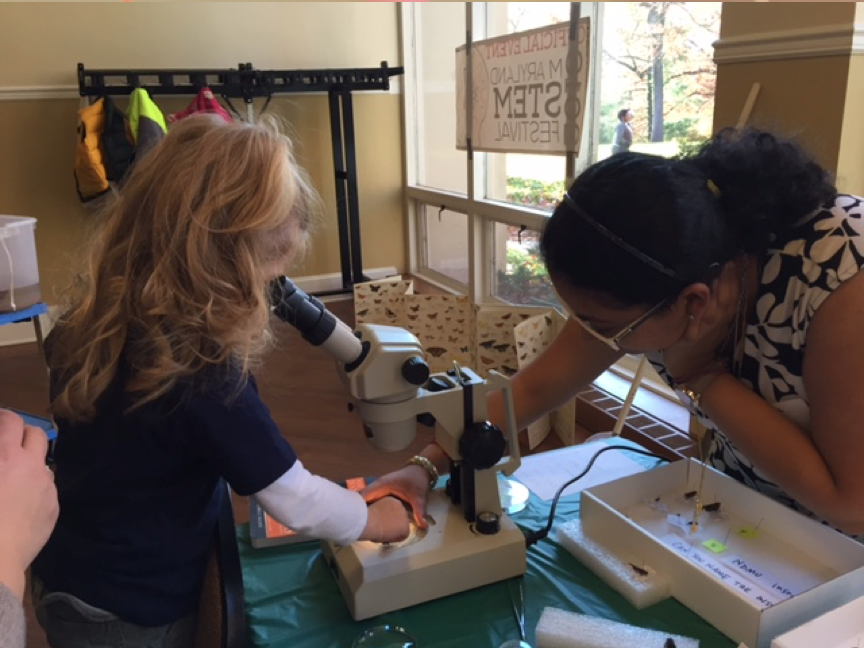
column 473, row 489
column 512, row 461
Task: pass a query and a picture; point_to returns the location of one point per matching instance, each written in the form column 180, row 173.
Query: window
column 520, row 277
column 632, row 45
column 476, row 222
column 437, row 164
column 445, row 243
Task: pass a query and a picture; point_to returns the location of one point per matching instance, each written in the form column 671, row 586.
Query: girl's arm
column 318, row 508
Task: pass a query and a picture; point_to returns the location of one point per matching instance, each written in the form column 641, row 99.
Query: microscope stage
column 452, row 557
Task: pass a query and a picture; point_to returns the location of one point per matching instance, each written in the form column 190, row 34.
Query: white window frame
column 483, row 214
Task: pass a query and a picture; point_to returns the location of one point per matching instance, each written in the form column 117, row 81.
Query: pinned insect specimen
column 639, row 570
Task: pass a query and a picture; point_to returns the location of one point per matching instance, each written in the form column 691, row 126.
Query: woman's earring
column 692, row 317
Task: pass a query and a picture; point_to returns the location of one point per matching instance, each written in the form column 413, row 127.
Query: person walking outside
column 623, row 137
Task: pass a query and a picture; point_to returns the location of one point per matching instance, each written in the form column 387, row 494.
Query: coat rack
column 247, row 83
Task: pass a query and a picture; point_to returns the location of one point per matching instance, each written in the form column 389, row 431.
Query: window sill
column 654, row 422
column 660, row 407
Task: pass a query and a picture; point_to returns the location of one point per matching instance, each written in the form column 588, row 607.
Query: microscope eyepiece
column 316, row 324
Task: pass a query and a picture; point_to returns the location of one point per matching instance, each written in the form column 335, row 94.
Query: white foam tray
column 794, row 569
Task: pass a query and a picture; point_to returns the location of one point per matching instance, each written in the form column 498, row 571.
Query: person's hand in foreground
column 28, row 498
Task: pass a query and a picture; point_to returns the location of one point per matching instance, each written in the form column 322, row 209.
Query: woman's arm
column 570, row 363
column 821, row 468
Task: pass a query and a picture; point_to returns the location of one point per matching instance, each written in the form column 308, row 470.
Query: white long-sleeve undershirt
column 315, row 507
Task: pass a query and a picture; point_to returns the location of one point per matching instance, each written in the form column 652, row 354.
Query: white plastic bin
column 19, row 271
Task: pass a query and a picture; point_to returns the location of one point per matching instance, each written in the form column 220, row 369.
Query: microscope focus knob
column 487, row 523
column 482, row 445
column 415, row 370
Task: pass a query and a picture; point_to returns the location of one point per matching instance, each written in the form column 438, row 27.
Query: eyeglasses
column 613, row 342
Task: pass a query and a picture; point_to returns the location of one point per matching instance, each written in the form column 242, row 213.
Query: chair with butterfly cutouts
column 221, row 615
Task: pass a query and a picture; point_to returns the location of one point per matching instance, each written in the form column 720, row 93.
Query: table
column 29, row 314
column 292, row 600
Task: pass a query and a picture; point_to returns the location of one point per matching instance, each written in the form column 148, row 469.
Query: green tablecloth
column 292, row 600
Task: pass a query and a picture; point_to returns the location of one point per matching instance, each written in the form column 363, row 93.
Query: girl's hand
column 387, row 522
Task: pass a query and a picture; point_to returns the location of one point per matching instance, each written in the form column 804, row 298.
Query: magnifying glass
column 384, row 636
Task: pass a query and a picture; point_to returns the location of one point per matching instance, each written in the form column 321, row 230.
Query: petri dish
column 414, row 535
column 384, row 636
column 514, row 495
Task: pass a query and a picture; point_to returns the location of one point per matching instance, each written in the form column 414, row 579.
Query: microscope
column 470, row 541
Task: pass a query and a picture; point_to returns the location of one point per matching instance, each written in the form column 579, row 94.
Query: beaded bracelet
column 428, row 466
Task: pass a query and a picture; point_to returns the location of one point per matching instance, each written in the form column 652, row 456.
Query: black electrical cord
column 533, row 537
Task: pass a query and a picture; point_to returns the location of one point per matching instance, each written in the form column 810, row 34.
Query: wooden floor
column 301, row 386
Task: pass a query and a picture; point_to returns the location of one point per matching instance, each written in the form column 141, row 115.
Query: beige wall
column 850, row 160
column 783, row 104
column 37, row 136
column 813, row 97
column 747, row 18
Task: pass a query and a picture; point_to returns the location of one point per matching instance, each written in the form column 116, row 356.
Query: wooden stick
column 748, row 106
column 625, row 409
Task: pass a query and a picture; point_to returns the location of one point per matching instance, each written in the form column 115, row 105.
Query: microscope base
column 451, row 558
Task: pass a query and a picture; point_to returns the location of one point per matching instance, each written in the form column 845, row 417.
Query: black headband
column 618, row 241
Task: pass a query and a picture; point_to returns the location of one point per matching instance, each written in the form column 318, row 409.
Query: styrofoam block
column 562, row 629
column 641, row 589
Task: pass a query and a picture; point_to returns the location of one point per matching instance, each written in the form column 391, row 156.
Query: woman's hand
column 712, row 313
column 409, row 484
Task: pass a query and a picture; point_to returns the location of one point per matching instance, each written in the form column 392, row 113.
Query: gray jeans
column 69, row 622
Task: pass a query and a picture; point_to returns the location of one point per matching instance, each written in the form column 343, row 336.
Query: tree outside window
column 657, row 61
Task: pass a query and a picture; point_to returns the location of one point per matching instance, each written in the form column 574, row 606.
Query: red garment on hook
column 204, row 102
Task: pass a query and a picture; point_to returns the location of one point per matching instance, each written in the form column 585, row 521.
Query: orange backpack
column 91, row 180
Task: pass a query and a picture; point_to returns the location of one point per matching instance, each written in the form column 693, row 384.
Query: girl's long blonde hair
column 177, row 273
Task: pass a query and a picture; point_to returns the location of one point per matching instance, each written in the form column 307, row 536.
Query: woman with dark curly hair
column 736, row 271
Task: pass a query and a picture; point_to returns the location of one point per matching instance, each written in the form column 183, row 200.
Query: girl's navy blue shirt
column 138, row 496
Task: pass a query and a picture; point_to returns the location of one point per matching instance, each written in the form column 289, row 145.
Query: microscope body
column 393, row 393
column 469, row 541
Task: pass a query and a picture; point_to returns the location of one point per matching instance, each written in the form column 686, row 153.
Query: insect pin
column 639, row 570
